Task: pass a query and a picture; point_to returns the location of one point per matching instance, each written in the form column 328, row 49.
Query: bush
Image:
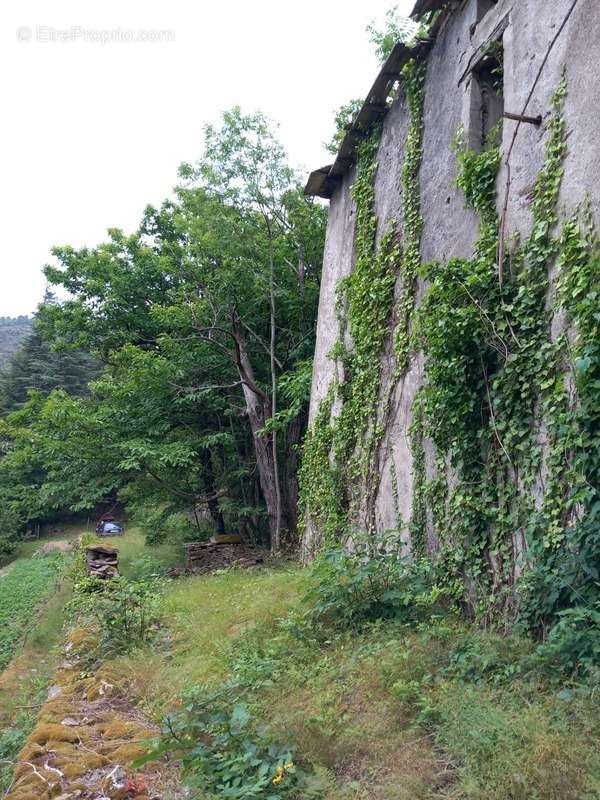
column 160, row 525
column 371, row 581
column 573, row 644
column 11, row 742
column 7, row 547
column 125, row 613
column 225, row 754
column 180, row 528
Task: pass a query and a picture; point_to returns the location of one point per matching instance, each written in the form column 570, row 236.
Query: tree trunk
column 276, row 539
column 258, row 408
column 210, row 488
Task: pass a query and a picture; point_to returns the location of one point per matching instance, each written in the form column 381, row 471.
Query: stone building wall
column 451, row 102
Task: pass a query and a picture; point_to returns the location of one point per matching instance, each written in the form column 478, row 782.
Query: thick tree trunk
column 258, row 408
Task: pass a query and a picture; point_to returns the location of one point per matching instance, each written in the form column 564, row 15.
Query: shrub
column 225, row 754
column 371, row 581
column 160, row 525
column 125, row 613
column 11, row 742
column 7, row 547
column 180, row 528
column 488, row 657
column 573, row 644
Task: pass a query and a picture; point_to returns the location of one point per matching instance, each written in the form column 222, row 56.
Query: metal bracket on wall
column 537, row 121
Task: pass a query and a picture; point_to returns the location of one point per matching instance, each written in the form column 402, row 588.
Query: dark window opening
column 483, row 6
column 487, row 97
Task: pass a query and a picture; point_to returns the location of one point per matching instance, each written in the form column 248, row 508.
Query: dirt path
column 85, row 738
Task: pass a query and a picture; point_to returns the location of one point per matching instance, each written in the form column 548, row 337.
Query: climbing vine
column 320, row 480
column 496, row 403
column 366, row 304
column 510, row 397
column 414, row 86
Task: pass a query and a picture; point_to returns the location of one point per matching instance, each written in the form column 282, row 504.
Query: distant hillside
column 12, row 332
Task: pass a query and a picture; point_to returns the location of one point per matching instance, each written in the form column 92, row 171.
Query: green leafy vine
column 366, row 303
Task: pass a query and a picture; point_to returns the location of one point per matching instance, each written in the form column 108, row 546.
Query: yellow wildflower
column 279, row 775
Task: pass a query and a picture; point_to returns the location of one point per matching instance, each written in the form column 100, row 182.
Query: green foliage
column 395, row 28
column 35, row 366
column 321, row 481
column 23, row 589
column 10, row 527
column 368, row 293
column 338, row 451
column 11, row 743
column 123, row 614
column 12, row 332
column 505, row 716
column 186, row 311
column 344, row 117
column 573, row 645
column 371, row 581
column 413, row 77
column 161, row 525
column 226, row 754
column 56, row 455
column 492, row 369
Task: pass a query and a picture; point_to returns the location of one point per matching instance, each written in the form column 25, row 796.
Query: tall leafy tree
column 201, row 315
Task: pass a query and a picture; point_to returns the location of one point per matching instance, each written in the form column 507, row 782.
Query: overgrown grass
column 22, row 589
column 507, row 727
column 202, row 617
column 386, row 711
column 61, row 532
column 24, row 682
column 136, row 560
column 395, row 709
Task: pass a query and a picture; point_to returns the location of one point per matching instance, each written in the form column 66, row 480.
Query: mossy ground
column 85, row 732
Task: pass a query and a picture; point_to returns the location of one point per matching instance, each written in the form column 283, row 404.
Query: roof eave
column 375, row 107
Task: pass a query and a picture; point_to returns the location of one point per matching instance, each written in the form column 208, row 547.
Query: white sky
column 93, row 132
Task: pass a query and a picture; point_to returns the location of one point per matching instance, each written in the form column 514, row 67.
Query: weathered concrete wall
column 450, row 229
column 337, row 263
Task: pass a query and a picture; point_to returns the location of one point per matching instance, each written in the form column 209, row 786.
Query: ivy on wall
column 414, row 86
column 498, row 405
column 510, row 400
column 366, row 304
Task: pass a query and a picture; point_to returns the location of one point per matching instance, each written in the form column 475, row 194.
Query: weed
column 369, row 582
column 226, row 754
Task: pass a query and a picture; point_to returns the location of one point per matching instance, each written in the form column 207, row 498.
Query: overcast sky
column 94, row 131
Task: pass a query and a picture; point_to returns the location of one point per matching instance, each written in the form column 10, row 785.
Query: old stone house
column 489, row 67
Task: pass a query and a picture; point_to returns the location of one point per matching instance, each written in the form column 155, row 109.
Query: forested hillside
column 12, row 332
column 36, row 367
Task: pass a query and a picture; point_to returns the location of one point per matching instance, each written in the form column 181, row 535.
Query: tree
column 199, row 315
column 244, row 167
column 396, row 28
column 344, row 117
column 35, row 366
